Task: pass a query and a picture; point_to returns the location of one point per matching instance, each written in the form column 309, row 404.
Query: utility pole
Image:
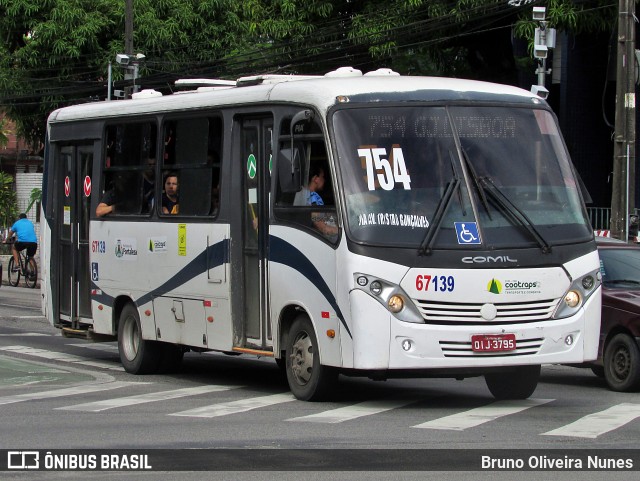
column 130, row 73
column 128, row 27
column 624, row 151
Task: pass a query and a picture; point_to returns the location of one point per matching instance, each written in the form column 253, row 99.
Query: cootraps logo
column 514, row 287
column 157, row 244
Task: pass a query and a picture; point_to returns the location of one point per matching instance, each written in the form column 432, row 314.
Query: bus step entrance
column 76, row 333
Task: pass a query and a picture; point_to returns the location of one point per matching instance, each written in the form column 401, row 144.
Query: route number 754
column 376, row 159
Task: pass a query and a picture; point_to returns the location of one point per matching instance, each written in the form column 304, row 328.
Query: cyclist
column 25, row 239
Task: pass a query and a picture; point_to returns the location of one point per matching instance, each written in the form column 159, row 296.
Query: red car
column 619, row 351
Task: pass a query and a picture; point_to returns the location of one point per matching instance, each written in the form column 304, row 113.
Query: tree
column 57, row 52
column 4, row 133
column 8, row 204
column 35, row 197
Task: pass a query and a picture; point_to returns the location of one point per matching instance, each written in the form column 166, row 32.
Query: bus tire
column 138, row 356
column 622, row 364
column 519, row 383
column 308, row 379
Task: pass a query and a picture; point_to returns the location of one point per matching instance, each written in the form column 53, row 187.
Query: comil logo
column 23, row 460
column 494, row 286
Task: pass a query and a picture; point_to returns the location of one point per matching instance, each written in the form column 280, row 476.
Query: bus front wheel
column 308, row 379
column 138, row 356
column 515, row 384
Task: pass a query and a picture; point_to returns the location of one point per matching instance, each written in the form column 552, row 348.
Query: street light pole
column 623, row 188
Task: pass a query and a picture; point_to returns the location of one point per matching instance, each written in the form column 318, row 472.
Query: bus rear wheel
column 518, row 383
column 138, row 356
column 308, row 379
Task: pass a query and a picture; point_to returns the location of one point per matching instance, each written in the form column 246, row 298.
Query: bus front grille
column 524, row 347
column 459, row 313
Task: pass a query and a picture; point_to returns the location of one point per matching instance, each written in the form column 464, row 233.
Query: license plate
column 493, row 342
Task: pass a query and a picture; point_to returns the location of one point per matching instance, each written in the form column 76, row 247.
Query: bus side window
column 191, row 151
column 129, row 168
column 313, row 206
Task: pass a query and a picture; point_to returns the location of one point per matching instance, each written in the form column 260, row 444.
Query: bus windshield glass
column 474, row 175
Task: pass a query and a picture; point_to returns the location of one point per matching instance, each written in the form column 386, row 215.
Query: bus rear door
column 73, row 174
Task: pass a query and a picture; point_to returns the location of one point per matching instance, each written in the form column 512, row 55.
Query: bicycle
column 28, row 269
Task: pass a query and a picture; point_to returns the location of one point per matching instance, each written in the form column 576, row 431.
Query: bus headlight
column 572, row 298
column 579, row 291
column 396, row 303
column 390, row 295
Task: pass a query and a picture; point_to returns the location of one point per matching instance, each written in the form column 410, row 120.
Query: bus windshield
column 475, row 176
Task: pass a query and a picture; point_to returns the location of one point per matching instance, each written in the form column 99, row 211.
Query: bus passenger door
column 255, row 153
column 73, row 193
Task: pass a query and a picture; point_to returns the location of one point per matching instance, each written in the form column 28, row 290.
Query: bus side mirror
column 289, row 168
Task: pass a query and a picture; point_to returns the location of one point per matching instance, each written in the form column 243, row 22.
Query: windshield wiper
column 441, row 209
column 476, row 180
column 515, row 212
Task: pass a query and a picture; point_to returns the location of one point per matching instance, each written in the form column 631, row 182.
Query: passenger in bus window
column 170, row 196
column 324, row 222
column 111, row 197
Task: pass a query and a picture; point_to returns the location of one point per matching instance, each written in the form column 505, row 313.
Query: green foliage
column 8, row 204
column 57, row 52
column 4, row 133
column 570, row 16
column 34, row 197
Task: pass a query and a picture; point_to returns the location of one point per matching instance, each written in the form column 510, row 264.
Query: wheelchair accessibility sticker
column 94, row 272
column 467, row 232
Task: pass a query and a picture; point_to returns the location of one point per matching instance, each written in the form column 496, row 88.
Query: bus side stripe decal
column 217, row 253
column 282, row 252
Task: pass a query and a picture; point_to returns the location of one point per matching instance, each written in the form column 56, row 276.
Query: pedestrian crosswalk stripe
column 145, row 398
column 68, row 391
column 596, row 424
column 234, row 407
column 101, row 346
column 347, row 413
column 25, row 334
column 61, row 356
column 483, row 414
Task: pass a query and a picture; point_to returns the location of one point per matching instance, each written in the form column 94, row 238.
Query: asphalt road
column 59, row 393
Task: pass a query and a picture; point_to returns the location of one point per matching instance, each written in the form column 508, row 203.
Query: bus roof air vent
column 382, row 72
column 344, row 72
column 146, row 94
